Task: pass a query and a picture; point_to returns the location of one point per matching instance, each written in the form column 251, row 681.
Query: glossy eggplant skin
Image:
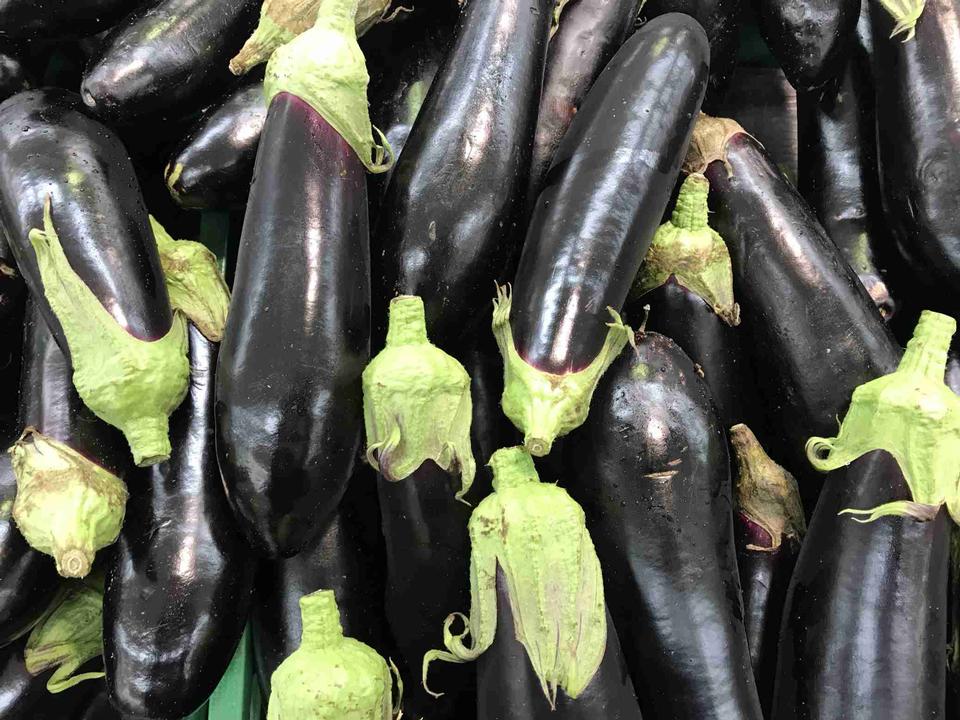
column 721, row 20
column 865, row 602
column 589, row 34
column 814, row 333
column 13, row 75
column 918, row 103
column 49, row 19
column 180, row 579
column 606, row 192
column 49, row 146
column 508, row 688
column 289, row 401
column 99, row 708
column 809, row 38
column 651, row 469
column 11, row 355
column 167, row 56
column 25, row 697
column 447, row 225
column 212, row 166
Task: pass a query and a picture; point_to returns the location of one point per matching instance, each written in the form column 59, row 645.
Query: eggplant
column 918, row 102
column 25, row 697
column 99, row 708
column 449, row 215
column 13, row 75
column 595, row 218
column 813, row 331
column 11, row 330
column 166, row 57
column 180, row 581
column 810, row 39
column 49, row 19
column 589, row 33
column 93, row 269
column 289, row 423
column 212, row 166
column 721, row 20
column 650, row 467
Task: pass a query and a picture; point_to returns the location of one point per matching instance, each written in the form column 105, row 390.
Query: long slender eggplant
column 721, row 20
column 918, row 103
column 652, row 472
column 13, row 75
column 49, row 19
column 448, row 219
column 815, row 334
column 289, row 398
column 93, row 269
column 25, row 697
column 595, row 218
column 589, row 33
column 166, row 57
column 811, row 39
column 180, row 580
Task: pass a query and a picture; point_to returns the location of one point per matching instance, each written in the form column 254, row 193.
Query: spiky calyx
column 709, row 143
column 766, row 494
column 914, row 416
column 66, row 506
column 542, row 405
column 130, row 383
column 537, row 535
column 325, row 68
column 194, row 282
column 416, row 401
column 68, row 635
column 330, row 677
column 906, row 14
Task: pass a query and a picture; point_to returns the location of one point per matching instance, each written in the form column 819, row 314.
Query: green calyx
column 69, row 635
column 129, row 383
column 537, row 535
column 194, row 282
column 325, row 68
column 543, row 405
column 766, row 493
column 906, row 14
column 66, row 506
column 330, row 677
column 688, row 249
column 914, row 416
column 416, row 401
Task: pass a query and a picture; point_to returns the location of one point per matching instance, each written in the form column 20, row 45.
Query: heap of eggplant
column 467, row 359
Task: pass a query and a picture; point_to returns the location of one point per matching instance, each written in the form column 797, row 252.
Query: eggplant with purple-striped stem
column 650, row 467
column 289, row 399
column 50, row 19
column 604, row 198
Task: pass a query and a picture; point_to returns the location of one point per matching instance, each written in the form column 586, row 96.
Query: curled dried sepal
column 130, row 383
column 330, row 677
column 688, row 249
column 543, row 405
column 416, row 401
column 914, row 416
column 906, row 14
column 709, row 143
column 325, row 68
column 537, row 535
column 194, row 282
column 66, row 506
column 766, row 493
column 68, row 635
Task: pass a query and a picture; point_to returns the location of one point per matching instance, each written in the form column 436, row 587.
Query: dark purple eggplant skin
column 721, row 20
column 11, row 355
column 813, row 332
column 809, row 38
column 46, row 137
column 180, row 580
column 589, row 34
column 54, row 19
column 918, row 134
column 865, row 602
column 606, row 192
column 13, row 75
column 11, row 282
column 99, row 708
column 289, row 401
column 215, row 160
column 508, row 688
column 651, row 469
column 166, row 57
column 25, row 697
column 448, row 223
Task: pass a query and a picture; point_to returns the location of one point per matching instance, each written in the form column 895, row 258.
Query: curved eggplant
column 446, row 225
column 604, row 198
column 49, row 19
column 180, row 582
column 652, row 473
column 167, row 55
column 25, row 697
